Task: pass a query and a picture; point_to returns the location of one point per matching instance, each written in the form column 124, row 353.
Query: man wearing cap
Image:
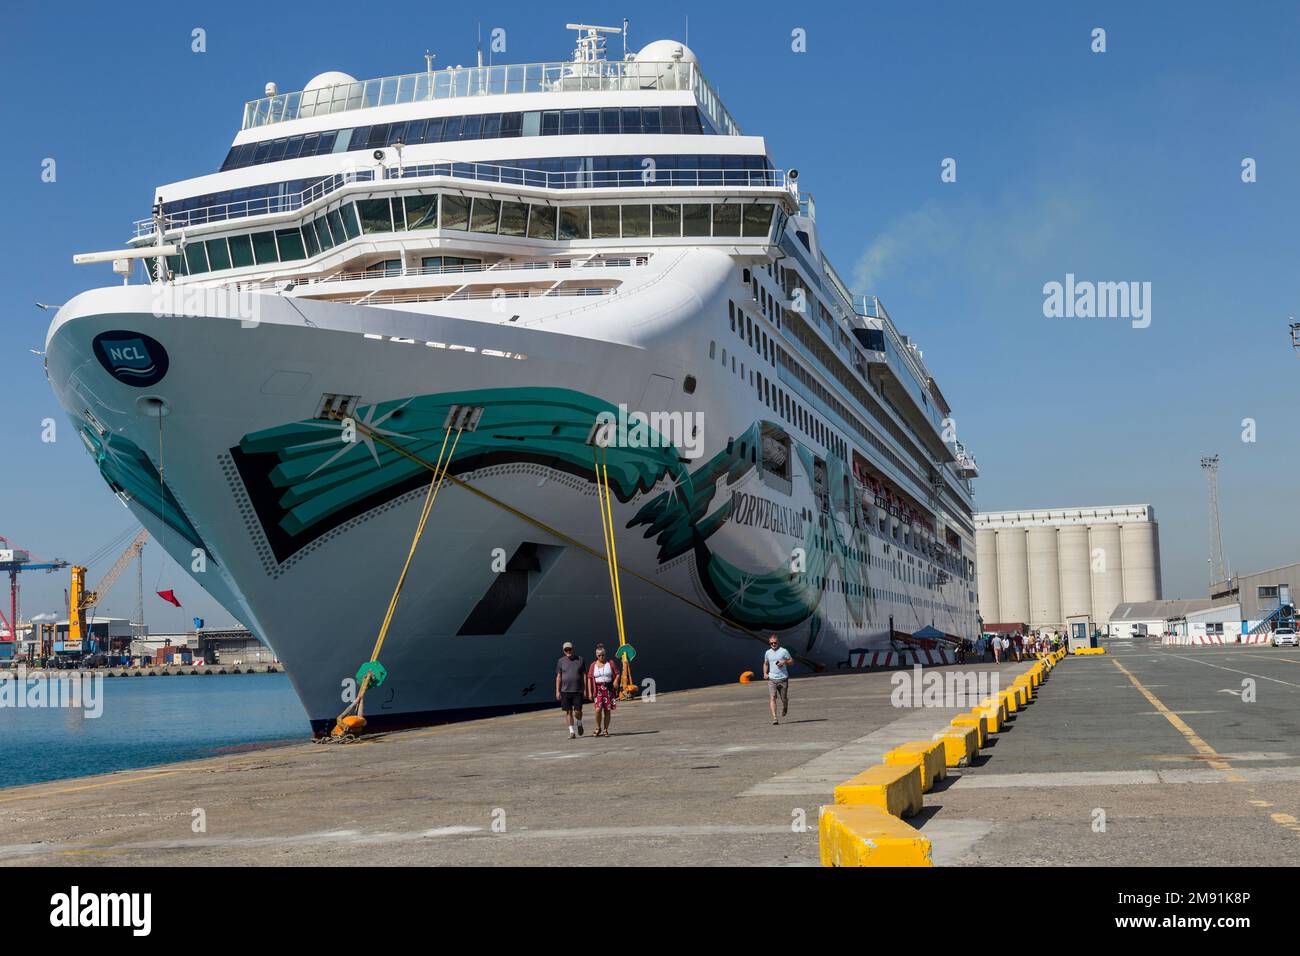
column 570, row 678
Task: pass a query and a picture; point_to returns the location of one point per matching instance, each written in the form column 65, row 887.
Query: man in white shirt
column 775, row 663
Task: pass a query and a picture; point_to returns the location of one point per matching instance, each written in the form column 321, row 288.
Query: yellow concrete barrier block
column 994, row 715
column 1011, row 699
column 960, row 744
column 868, row 836
column 978, row 722
column 927, row 754
column 895, row 788
column 999, row 705
column 1023, row 694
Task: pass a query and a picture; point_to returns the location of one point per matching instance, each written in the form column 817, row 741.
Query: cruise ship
column 565, row 276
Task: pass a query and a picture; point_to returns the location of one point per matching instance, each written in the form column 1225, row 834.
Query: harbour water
column 149, row 721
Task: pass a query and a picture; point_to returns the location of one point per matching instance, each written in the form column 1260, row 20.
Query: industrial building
column 1258, row 593
column 1065, row 568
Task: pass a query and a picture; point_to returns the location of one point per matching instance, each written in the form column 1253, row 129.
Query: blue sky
column 1118, row 166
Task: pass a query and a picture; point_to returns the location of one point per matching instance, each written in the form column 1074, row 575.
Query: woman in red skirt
column 602, row 679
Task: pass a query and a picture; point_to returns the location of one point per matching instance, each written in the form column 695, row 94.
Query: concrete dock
column 702, row 777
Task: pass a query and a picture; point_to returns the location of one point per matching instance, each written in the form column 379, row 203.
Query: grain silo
column 1140, row 544
column 1062, row 566
column 1013, row 574
column 1044, row 575
column 986, row 574
column 1076, row 578
column 1107, row 570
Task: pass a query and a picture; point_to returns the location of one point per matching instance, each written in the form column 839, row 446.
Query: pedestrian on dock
column 775, row 663
column 570, row 681
column 602, row 677
column 997, row 649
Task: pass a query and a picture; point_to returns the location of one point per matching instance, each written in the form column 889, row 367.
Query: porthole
column 688, row 384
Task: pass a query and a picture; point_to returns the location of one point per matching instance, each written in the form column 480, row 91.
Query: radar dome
column 666, row 51
column 328, row 78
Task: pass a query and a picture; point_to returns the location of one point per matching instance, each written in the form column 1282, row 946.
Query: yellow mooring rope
column 372, row 671
column 611, row 551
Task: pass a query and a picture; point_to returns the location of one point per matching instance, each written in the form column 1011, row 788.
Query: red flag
column 169, row 596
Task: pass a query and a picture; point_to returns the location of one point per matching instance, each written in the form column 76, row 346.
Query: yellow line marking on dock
column 1235, row 671
column 1180, row 725
column 1285, row 820
column 88, row 786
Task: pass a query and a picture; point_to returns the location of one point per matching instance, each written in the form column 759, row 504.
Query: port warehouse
column 1059, row 568
column 213, row 645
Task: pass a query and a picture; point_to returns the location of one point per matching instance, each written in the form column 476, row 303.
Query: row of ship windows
column 448, row 129
column 579, row 172
column 475, row 214
column 780, row 401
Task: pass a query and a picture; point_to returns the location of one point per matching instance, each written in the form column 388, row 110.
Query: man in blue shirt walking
column 775, row 663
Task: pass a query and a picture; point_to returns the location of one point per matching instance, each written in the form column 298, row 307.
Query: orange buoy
column 348, row 725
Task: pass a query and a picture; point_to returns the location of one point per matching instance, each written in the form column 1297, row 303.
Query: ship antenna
column 479, row 28
column 428, row 61
column 625, row 38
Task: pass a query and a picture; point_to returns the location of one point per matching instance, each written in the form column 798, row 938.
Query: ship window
column 671, row 119
column 570, row 121
column 758, row 220
column 290, row 242
column 532, row 124
column 241, row 251
column 263, row 150
column 336, row 226
column 378, row 136
column 695, row 219
column 590, row 122
column 713, row 349
column 492, row 126
column 422, row 212
column 433, row 132
column 667, row 219
column 264, row 247
column 604, row 222
column 309, row 236
column 350, row 225
column 385, row 267
column 455, row 211
column 574, row 223
column 375, row 215
column 650, row 119
column 484, row 215
column 396, row 134
column 415, row 131
column 632, row 120
column 690, row 120
column 322, row 234
column 541, row 224
column 218, row 254
column 550, row 123
column 470, row 127
column 196, row 258
column 514, row 219
column 451, row 129
column 399, row 222
column 688, row 383
column 609, row 121
column 726, row 220
column 636, row 221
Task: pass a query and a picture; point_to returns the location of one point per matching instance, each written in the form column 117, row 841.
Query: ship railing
column 474, row 268
column 475, row 81
column 461, row 295
column 476, row 172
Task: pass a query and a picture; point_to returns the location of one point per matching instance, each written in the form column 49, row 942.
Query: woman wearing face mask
column 602, row 678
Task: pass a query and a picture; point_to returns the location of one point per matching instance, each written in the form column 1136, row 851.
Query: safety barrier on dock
column 864, row 826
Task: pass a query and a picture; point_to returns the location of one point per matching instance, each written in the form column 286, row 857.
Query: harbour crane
column 81, row 602
column 13, row 561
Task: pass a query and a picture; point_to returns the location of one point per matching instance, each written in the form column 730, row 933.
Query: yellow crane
column 82, row 601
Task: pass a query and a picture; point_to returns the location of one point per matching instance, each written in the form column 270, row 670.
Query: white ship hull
column 303, row 535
